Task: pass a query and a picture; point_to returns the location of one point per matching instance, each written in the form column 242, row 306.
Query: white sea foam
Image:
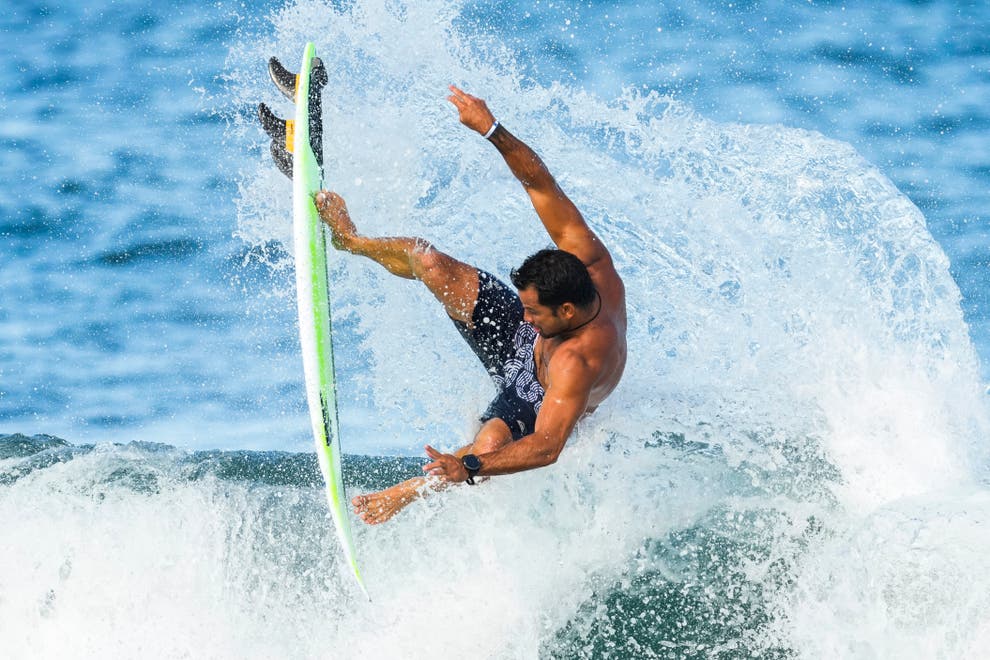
column 782, row 293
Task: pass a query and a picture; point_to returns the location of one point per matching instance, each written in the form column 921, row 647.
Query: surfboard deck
column 297, row 149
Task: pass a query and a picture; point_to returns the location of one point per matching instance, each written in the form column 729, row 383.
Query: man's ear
column 567, row 310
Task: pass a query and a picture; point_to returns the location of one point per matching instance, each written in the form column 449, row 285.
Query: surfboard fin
column 284, row 79
column 282, row 158
column 272, row 123
column 280, row 130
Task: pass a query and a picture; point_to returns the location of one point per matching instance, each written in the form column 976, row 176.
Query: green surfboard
column 297, row 148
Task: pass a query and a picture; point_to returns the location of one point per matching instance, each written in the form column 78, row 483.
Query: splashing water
column 798, row 440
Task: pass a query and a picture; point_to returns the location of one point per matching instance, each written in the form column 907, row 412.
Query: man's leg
column 452, row 282
column 378, row 507
column 455, row 285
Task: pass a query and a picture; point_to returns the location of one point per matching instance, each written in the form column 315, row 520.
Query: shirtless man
column 555, row 350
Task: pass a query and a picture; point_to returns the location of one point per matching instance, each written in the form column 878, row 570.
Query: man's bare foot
column 376, row 508
column 333, row 212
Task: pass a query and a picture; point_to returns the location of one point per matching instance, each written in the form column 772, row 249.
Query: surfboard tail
column 280, row 130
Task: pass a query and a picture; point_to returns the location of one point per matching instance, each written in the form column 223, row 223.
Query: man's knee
column 429, row 263
column 493, row 435
column 454, row 283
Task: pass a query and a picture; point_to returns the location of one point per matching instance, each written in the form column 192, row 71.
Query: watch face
column 471, row 462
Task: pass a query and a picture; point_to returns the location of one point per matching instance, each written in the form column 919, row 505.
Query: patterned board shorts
column 504, row 343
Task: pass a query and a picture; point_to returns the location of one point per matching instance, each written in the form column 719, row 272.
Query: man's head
column 554, row 287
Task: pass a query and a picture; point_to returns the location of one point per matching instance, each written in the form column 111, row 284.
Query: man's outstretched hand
column 474, row 113
column 445, row 466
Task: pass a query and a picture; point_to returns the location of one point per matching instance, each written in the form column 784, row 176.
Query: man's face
column 549, row 322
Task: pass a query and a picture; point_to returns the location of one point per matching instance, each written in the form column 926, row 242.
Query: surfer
column 556, row 349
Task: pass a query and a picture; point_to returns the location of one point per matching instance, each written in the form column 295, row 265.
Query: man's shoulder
column 570, row 355
column 603, row 271
column 587, row 352
column 611, row 288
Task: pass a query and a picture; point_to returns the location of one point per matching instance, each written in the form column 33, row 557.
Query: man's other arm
column 559, row 215
column 563, row 404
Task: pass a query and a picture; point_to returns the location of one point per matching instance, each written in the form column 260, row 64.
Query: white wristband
column 491, row 130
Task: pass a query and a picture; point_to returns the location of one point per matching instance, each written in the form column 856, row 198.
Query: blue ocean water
column 794, row 466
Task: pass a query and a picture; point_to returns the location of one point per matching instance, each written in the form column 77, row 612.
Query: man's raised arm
column 562, row 220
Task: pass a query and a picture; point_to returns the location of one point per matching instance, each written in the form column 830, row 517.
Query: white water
column 780, row 288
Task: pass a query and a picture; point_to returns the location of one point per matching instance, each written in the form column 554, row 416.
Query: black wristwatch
column 472, row 464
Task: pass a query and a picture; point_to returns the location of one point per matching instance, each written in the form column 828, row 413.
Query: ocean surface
column 794, row 466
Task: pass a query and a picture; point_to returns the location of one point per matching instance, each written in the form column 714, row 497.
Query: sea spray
column 799, row 357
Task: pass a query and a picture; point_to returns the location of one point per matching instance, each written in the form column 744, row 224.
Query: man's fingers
column 436, row 467
column 459, row 103
column 460, row 98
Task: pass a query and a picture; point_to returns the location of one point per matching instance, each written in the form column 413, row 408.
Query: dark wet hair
column 558, row 277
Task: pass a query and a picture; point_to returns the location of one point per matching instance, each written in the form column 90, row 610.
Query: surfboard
column 297, row 149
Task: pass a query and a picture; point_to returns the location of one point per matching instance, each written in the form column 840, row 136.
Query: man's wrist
column 491, row 131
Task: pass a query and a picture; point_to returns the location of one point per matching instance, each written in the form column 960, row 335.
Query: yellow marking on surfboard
column 296, row 88
column 290, row 134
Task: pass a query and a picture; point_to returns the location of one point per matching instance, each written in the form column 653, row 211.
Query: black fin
column 282, row 158
column 284, row 79
column 272, row 123
column 276, row 129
